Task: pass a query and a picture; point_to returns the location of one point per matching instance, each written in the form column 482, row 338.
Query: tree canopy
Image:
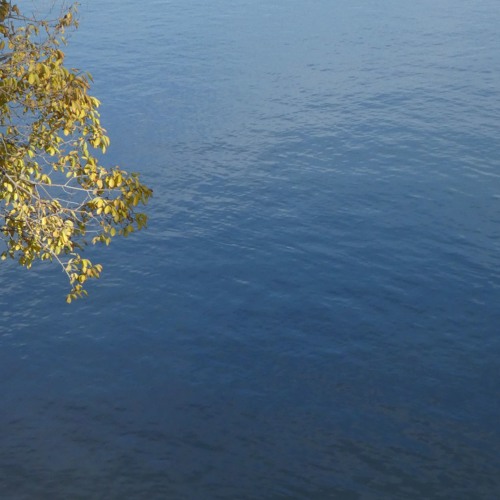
column 55, row 196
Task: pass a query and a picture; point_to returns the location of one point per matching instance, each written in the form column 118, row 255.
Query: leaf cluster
column 55, row 196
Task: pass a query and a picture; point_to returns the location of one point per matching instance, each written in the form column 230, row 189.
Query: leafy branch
column 55, row 197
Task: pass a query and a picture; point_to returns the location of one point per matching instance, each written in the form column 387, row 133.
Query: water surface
column 313, row 311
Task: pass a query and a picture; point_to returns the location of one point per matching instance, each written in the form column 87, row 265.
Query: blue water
column 314, row 310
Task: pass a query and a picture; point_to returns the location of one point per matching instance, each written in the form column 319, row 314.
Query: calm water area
column 313, row 312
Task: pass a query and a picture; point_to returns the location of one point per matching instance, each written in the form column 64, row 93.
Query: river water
column 313, row 311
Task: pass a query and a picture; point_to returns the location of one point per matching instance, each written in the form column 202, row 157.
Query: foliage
column 55, row 197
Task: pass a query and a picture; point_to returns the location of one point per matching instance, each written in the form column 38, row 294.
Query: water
column 313, row 311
